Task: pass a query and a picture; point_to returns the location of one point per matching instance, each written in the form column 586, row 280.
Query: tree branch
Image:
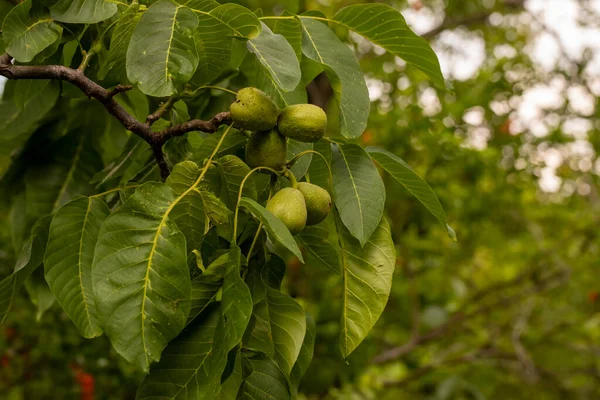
column 456, row 321
column 477, row 18
column 76, row 77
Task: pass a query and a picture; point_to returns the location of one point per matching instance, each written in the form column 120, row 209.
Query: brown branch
column 474, row 19
column 119, row 89
column 456, row 321
column 163, row 108
column 91, row 89
column 222, row 118
column 455, row 23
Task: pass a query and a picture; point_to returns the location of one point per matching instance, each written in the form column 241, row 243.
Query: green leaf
column 188, row 213
column 295, row 147
column 233, row 170
column 25, row 103
column 320, row 44
column 206, row 286
column 306, row 354
column 68, row 260
column 162, row 52
column 403, row 173
column 183, row 176
column 240, row 20
column 39, row 293
column 386, row 27
column 263, row 379
column 140, row 275
column 231, row 385
column 62, row 174
column 218, row 213
column 182, row 370
column 83, row 11
column 278, row 324
column 319, row 248
column 260, row 78
column 278, row 57
column 202, row 5
column 119, row 41
column 236, row 305
column 234, row 141
column 73, row 163
column 319, row 171
column 279, row 328
column 30, row 257
column 213, row 45
column 367, row 272
column 276, row 230
column 358, row 190
column 291, row 29
column 134, row 158
column 27, row 34
column 194, row 362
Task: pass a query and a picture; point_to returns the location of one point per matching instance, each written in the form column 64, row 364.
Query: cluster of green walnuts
column 253, row 110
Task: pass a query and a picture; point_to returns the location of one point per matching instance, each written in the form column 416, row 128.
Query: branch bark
column 156, row 140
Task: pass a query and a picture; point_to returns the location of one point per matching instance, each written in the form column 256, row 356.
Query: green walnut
column 302, row 122
column 254, row 110
column 289, row 206
column 318, row 202
column 266, row 149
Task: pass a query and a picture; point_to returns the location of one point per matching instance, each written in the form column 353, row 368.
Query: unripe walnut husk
column 318, row 202
column 253, row 110
column 289, row 206
column 266, row 149
column 303, row 122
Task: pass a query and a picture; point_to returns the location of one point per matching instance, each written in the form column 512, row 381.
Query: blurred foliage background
column 511, row 310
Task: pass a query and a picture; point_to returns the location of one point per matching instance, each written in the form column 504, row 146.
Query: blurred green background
column 511, row 310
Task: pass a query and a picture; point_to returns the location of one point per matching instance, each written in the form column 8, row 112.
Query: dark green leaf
column 358, row 190
column 233, row 171
column 182, row 371
column 276, row 230
column 119, row 41
column 83, row 11
column 162, row 52
column 39, row 293
column 386, row 27
column 318, row 246
column 263, row 379
column 403, row 173
column 206, row 286
column 367, row 272
column 30, row 257
column 68, row 260
column 278, row 57
column 140, row 275
column 319, row 171
column 295, row 147
column 25, row 34
column 279, row 328
column 306, row 354
column 320, row 44
column 134, row 158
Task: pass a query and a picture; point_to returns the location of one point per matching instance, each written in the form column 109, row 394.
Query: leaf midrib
column 162, row 224
column 79, row 263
